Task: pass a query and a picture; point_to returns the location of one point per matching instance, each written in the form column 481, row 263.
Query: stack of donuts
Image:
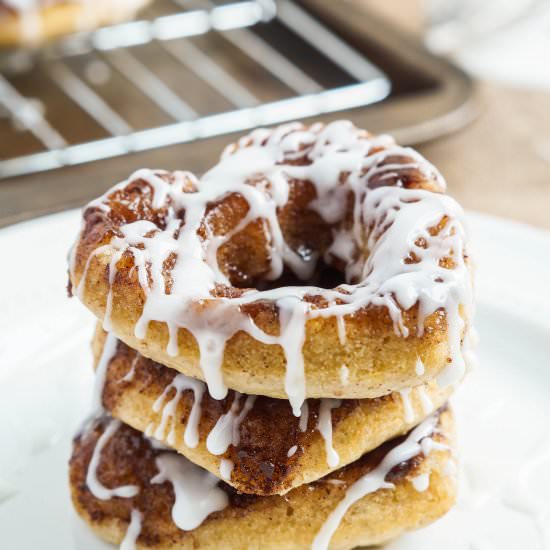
column 29, row 22
column 276, row 344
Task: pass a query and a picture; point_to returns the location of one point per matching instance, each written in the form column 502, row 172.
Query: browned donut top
column 213, row 255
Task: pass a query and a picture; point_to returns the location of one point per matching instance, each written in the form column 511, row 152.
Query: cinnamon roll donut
column 254, row 443
column 304, row 251
column 127, row 488
column 33, row 21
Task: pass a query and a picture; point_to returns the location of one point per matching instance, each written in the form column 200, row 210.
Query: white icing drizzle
column 304, row 416
column 129, row 376
column 421, row 482
column 341, row 327
column 226, row 467
column 425, row 401
column 179, row 384
column 156, row 444
column 428, row 445
column 324, row 425
column 292, row 313
column 226, row 430
column 292, row 451
column 419, row 367
column 96, row 487
column 375, row 479
column 398, row 221
column 407, row 404
column 107, row 354
column 134, row 529
column 196, row 491
column 344, row 375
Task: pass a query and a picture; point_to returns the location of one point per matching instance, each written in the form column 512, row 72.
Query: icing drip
column 179, row 384
column 324, row 425
column 96, row 487
column 304, row 417
column 419, row 367
column 425, row 401
column 375, row 479
column 134, row 529
column 129, row 376
column 407, row 404
column 109, row 351
column 421, row 482
column 226, row 430
column 292, row 451
column 391, row 253
column 428, row 445
column 196, row 491
column 157, row 445
column 292, row 315
column 344, row 375
column 226, row 467
column 341, row 326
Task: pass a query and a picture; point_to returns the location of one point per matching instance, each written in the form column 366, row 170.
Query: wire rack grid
column 188, row 70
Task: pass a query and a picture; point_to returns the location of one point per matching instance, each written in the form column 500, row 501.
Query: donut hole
column 250, row 257
column 324, row 276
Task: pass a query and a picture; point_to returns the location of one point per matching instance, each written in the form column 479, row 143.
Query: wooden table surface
column 500, row 164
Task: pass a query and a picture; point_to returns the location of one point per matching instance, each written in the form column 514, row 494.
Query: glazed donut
column 230, row 278
column 33, row 21
column 126, row 488
column 254, row 443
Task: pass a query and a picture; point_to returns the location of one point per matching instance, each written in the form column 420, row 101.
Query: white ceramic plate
column 503, row 409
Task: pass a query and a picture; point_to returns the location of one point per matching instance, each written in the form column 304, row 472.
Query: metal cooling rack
column 166, row 79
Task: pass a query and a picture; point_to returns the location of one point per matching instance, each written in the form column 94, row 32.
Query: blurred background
column 467, row 82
